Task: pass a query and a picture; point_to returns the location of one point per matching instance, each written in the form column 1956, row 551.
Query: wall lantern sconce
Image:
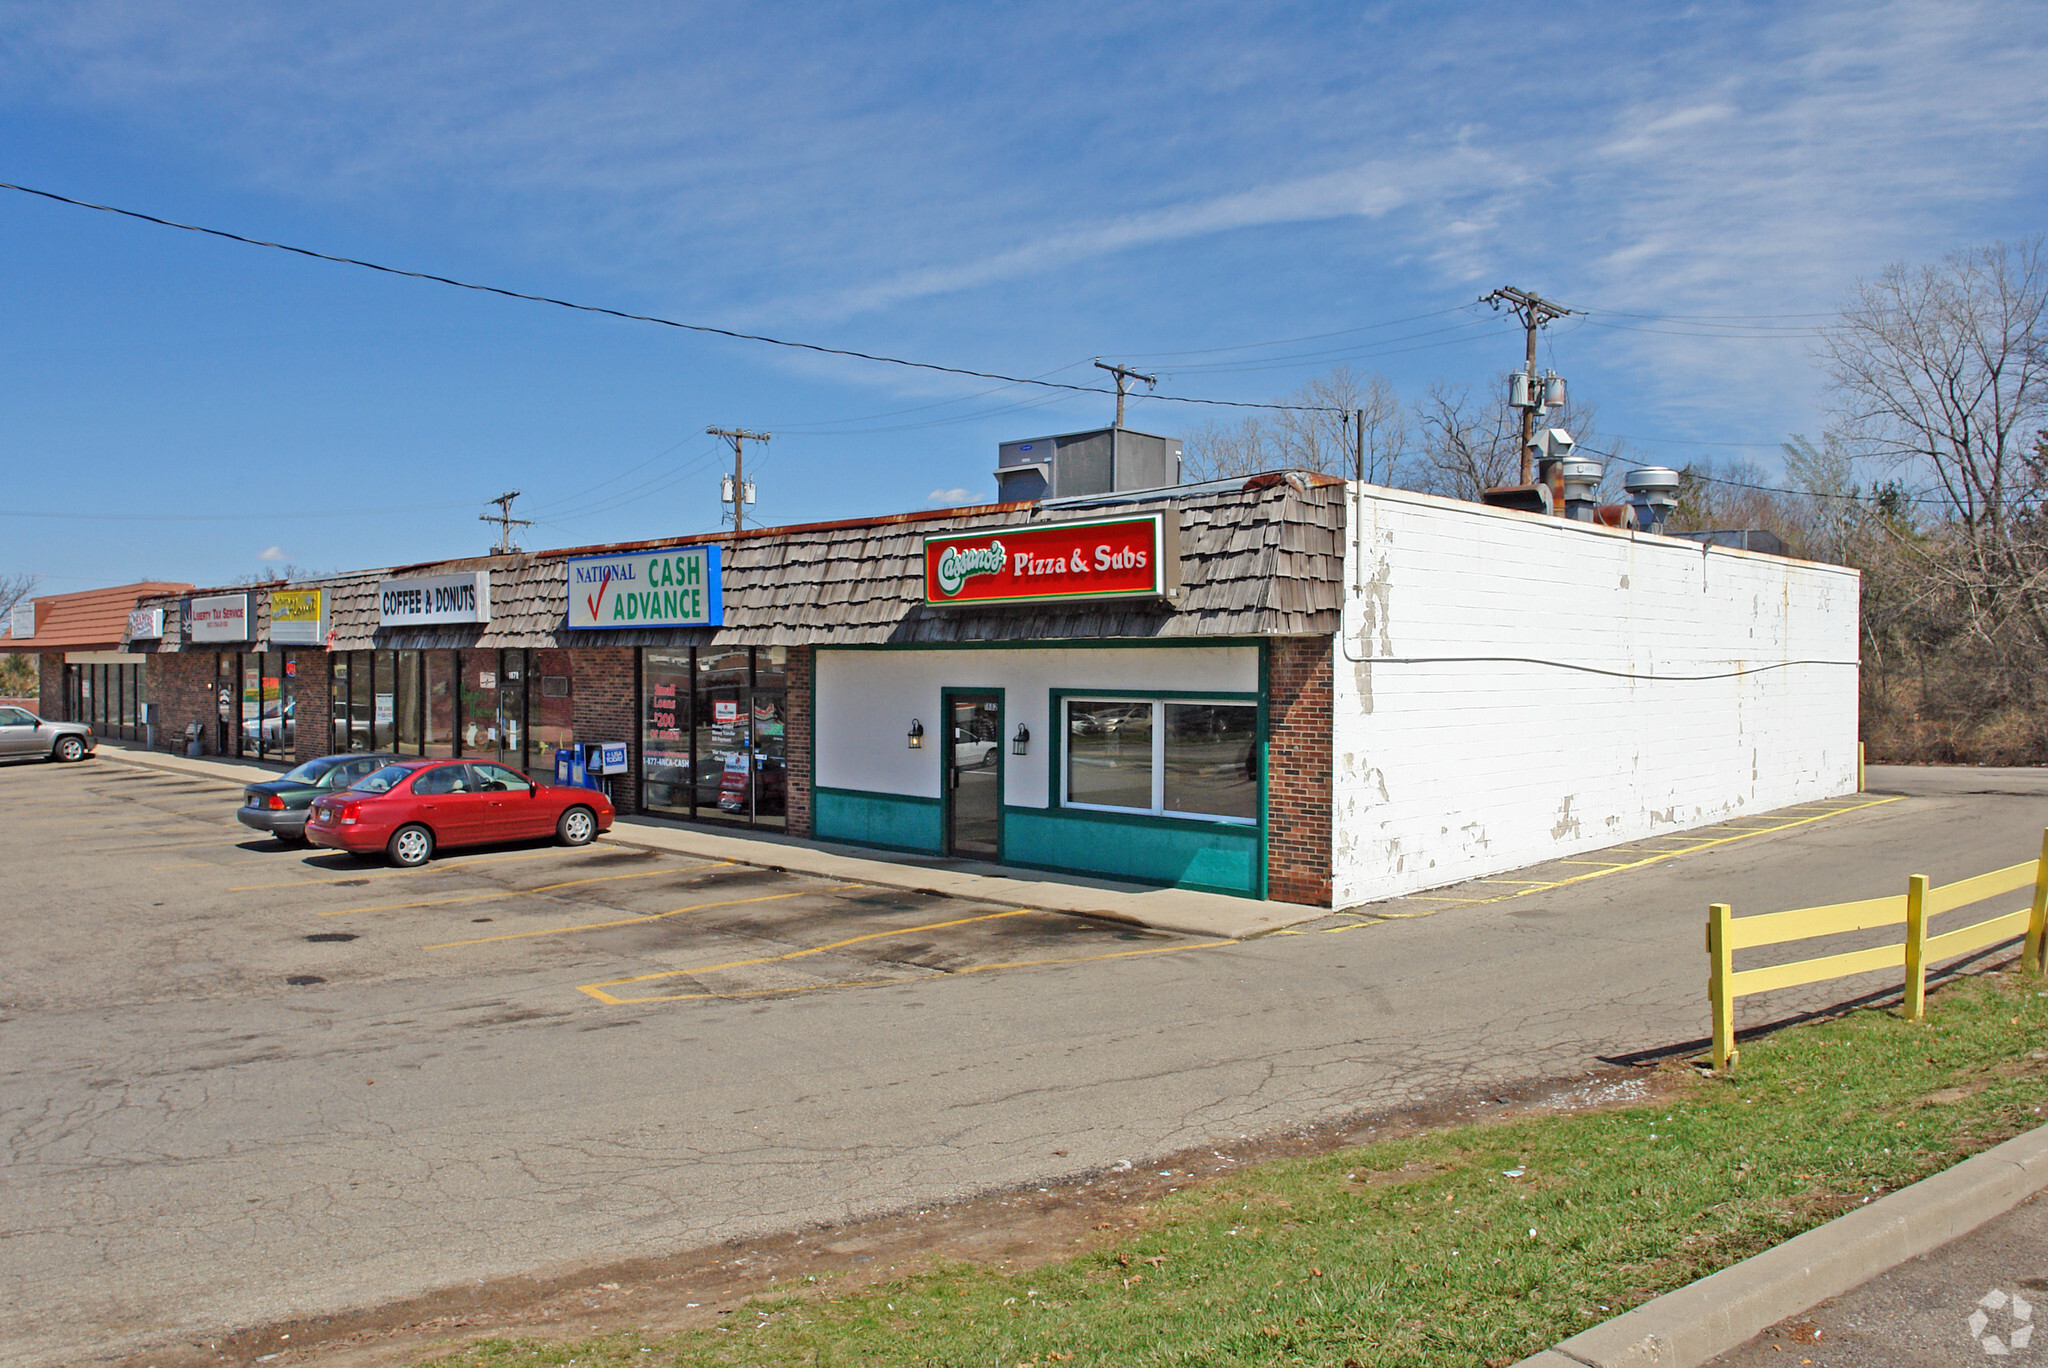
column 1021, row 740
column 916, row 734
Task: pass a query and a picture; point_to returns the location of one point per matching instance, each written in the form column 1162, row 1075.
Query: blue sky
column 1017, row 189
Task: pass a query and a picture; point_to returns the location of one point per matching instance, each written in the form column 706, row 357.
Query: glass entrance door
column 973, row 757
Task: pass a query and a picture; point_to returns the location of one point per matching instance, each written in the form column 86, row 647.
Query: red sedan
column 411, row 807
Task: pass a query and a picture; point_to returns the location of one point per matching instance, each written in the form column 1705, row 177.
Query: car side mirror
column 533, row 790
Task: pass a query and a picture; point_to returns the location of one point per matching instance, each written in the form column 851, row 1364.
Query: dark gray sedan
column 23, row 735
column 279, row 806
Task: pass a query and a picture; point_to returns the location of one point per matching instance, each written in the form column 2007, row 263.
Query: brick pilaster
column 1299, row 687
column 606, row 709
column 797, row 740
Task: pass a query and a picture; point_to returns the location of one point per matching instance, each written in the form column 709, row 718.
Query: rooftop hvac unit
column 1105, row 461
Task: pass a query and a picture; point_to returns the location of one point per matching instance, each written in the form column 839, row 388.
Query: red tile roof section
column 94, row 620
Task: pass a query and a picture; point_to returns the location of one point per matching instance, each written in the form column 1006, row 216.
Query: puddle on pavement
column 336, row 936
column 303, row 980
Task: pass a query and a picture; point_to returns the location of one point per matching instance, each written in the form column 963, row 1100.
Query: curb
column 1684, row 1329
column 1164, row 909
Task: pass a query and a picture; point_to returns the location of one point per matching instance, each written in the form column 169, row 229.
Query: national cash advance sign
column 429, row 599
column 1109, row 558
column 669, row 586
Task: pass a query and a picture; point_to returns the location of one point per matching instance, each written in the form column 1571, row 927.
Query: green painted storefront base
column 1212, row 857
column 888, row 820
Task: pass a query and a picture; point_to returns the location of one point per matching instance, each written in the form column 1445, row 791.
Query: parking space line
column 636, row 921
column 1649, row 858
column 884, row 983
column 596, row 990
column 397, row 873
column 524, row 892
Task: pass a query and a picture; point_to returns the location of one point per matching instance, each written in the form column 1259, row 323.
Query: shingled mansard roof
column 1266, row 559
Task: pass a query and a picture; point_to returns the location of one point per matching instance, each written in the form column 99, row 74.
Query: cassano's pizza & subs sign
column 1108, row 558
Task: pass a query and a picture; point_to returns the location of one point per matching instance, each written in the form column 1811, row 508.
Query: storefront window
column 1212, row 760
column 724, row 735
column 1203, row 762
column 712, row 734
column 338, row 743
column 1109, row 754
column 362, row 701
column 665, row 725
column 405, row 688
column 510, row 716
column 441, row 704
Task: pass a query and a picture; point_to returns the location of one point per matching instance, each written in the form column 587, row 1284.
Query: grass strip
column 1475, row 1245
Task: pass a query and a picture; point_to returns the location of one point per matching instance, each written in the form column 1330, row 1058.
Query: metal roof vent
column 1654, row 492
column 1104, row 461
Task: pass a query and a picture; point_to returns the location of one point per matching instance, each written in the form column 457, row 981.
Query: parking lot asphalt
column 248, row 1082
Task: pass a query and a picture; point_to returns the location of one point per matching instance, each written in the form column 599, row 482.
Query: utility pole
column 1123, row 381
column 1534, row 311
column 736, row 491
column 505, row 521
column 1358, row 443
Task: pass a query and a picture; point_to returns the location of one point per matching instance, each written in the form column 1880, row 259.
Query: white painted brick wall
column 1449, row 771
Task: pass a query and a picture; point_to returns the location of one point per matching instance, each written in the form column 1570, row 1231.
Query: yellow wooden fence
column 1728, row 933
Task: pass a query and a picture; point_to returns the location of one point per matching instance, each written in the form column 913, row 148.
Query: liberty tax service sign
column 298, row 617
column 220, row 617
column 425, row 600
column 670, row 586
column 1108, row 558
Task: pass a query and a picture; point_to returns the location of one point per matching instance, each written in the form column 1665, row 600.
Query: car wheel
column 577, row 827
column 411, row 846
column 69, row 749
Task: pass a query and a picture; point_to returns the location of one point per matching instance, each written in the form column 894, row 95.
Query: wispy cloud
column 275, row 553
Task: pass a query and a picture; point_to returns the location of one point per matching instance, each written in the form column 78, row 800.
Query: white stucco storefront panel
column 1465, row 743
column 867, row 698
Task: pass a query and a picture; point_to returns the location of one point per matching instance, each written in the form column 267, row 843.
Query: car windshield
column 308, row 773
column 383, row 780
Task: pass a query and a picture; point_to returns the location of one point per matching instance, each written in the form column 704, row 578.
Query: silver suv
column 23, row 734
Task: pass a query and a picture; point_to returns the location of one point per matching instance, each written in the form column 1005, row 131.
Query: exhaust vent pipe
column 1653, row 490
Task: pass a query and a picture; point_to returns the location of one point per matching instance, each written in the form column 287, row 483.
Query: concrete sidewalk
column 1166, row 909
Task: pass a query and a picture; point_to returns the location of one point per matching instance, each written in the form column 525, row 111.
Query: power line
column 635, row 317
column 319, row 513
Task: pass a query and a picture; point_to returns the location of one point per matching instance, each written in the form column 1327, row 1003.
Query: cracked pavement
column 193, row 1144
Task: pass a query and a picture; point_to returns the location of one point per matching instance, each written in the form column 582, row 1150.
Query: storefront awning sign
column 146, row 624
column 219, row 617
column 425, row 600
column 1107, row 558
column 23, row 621
column 669, row 586
column 298, row 617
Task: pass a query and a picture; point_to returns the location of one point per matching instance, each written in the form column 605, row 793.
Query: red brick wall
column 1298, row 762
column 181, row 684
column 52, row 705
column 311, row 691
column 608, row 709
column 797, row 739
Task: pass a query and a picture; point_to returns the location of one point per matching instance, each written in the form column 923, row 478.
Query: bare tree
column 1468, row 446
column 284, row 573
column 1941, row 373
column 13, row 589
column 1314, row 433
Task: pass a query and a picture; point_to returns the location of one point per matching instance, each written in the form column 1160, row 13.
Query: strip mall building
column 1294, row 687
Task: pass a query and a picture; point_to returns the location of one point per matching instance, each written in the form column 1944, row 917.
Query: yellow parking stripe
column 650, row 917
column 1654, row 857
column 596, row 989
column 521, row 892
column 441, row 868
column 884, row 983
